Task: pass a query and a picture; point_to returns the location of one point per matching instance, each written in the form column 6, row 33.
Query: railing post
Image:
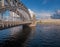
column 0, row 16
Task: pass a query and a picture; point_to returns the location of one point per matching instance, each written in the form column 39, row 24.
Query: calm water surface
column 39, row 36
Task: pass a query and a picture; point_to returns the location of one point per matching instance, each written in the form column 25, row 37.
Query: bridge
column 17, row 12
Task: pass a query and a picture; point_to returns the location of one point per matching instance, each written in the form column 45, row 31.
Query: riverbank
column 49, row 21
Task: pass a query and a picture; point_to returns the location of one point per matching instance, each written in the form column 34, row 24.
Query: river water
column 39, row 36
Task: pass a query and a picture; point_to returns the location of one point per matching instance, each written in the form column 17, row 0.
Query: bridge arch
column 16, row 7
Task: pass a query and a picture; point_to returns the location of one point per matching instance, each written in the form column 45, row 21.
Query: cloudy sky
column 42, row 8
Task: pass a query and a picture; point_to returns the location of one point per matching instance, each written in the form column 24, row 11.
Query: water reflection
column 14, row 31
column 45, row 36
column 39, row 36
column 14, row 37
column 3, row 35
column 31, row 36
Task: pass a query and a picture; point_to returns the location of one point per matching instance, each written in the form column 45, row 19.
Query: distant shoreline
column 49, row 21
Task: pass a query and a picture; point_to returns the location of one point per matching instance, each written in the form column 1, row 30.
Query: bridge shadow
column 20, row 38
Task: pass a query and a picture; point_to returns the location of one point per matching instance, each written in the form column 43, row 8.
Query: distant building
column 56, row 15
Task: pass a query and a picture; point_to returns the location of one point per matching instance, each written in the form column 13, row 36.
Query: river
column 39, row 36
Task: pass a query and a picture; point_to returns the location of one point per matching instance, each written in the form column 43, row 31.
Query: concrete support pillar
column 33, row 19
column 1, row 16
column 25, row 26
column 2, row 2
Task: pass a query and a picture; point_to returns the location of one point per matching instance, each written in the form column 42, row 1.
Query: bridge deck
column 8, row 24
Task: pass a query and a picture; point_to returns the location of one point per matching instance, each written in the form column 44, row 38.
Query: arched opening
column 9, row 16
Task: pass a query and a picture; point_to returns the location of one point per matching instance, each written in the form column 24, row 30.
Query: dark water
column 39, row 36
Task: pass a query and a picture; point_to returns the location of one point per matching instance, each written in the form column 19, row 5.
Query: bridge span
column 18, row 14
column 9, row 24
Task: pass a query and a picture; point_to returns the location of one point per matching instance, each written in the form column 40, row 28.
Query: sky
column 42, row 8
